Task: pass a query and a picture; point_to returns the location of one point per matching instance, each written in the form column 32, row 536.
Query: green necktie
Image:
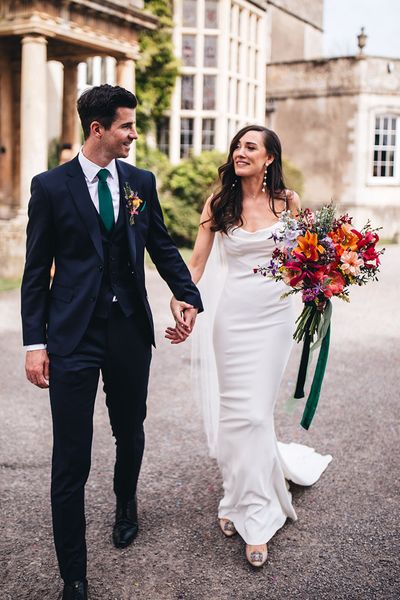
column 106, row 209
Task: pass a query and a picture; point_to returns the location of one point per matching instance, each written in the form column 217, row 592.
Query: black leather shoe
column 76, row 590
column 126, row 523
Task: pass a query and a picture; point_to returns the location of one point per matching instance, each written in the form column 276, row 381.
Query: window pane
column 210, row 51
column 163, row 135
column 209, row 92
column 239, row 52
column 186, row 137
column 384, row 146
column 207, row 140
column 211, row 14
column 189, row 13
column 187, row 92
column 189, row 50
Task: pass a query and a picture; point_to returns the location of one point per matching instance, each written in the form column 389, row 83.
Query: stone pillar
column 70, row 133
column 7, row 145
column 33, row 113
column 126, row 74
column 126, row 79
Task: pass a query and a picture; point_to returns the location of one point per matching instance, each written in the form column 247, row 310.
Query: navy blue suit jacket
column 63, row 226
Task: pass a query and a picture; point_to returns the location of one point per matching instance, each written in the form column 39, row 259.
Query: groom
column 94, row 216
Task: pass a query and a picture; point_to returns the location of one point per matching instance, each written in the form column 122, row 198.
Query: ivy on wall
column 157, row 68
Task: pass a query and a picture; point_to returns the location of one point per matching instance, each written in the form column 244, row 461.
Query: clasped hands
column 185, row 316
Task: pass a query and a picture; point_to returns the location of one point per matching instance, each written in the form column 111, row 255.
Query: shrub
column 181, row 218
column 194, row 178
column 152, row 160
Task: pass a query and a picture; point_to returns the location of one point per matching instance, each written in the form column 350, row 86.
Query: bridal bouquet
column 320, row 256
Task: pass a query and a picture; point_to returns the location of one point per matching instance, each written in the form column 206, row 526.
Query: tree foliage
column 157, row 69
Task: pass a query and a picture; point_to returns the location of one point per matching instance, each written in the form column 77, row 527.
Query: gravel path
column 345, row 544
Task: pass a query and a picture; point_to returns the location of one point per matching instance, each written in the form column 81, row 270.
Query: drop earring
column 264, row 185
column 234, row 183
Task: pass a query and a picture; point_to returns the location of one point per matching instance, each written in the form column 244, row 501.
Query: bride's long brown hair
column 226, row 204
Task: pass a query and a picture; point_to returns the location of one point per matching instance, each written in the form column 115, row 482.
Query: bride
column 252, row 339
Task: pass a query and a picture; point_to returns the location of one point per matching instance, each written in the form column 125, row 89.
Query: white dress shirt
column 90, row 170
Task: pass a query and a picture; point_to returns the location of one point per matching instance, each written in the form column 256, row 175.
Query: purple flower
column 273, row 267
column 309, row 295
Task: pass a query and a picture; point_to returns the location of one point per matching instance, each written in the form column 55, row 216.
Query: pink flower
column 351, row 263
column 335, row 285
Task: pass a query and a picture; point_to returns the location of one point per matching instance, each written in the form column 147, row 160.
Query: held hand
column 171, row 333
column 177, row 335
column 37, row 368
column 189, row 317
column 177, row 308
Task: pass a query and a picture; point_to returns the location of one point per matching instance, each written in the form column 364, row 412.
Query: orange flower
column 345, row 236
column 308, row 245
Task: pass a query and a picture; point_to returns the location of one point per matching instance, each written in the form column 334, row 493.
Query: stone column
column 33, row 112
column 126, row 74
column 70, row 133
column 7, row 145
column 126, row 79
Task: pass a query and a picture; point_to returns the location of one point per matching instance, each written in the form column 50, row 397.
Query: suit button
column 92, row 298
column 101, row 267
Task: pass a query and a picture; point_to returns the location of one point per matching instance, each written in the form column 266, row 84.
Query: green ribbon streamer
column 312, row 400
column 323, row 339
column 305, row 357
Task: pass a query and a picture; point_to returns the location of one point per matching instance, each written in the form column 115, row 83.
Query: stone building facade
column 295, row 29
column 222, row 46
column 32, row 33
column 339, row 122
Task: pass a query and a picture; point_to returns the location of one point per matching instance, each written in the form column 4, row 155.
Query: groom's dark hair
column 100, row 103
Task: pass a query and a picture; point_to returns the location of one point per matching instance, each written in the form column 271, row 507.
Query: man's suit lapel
column 125, row 176
column 77, row 185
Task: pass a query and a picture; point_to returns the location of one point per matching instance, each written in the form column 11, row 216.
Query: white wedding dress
column 252, row 337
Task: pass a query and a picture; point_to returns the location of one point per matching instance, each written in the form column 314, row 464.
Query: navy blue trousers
column 120, row 348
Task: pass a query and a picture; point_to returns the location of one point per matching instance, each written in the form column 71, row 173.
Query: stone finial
column 362, row 40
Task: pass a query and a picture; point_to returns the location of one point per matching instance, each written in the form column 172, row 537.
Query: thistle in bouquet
column 320, row 256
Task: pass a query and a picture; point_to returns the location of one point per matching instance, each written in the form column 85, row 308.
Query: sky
column 343, row 20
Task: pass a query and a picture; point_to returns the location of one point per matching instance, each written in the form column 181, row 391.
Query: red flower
column 369, row 239
column 335, row 285
column 369, row 255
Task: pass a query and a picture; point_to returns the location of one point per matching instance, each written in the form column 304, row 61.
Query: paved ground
column 345, row 544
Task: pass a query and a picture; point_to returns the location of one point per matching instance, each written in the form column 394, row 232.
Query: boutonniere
column 134, row 204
